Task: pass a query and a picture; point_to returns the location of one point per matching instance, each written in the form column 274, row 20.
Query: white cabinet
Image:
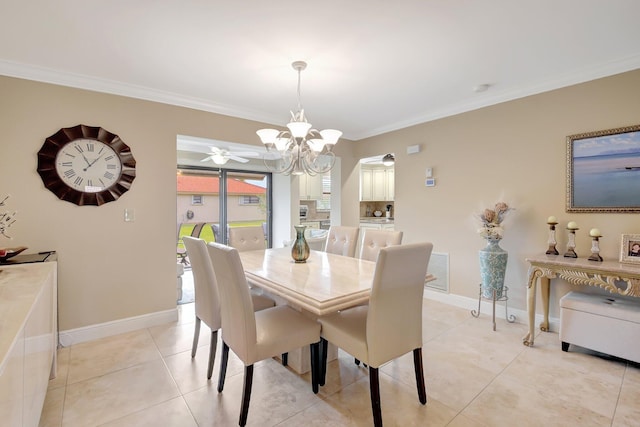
column 29, row 339
column 376, row 226
column 390, row 175
column 376, row 183
column 366, row 184
column 310, row 187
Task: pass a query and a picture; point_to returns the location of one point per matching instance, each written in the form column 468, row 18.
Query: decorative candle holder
column 595, row 250
column 552, row 239
column 571, row 244
column 595, row 245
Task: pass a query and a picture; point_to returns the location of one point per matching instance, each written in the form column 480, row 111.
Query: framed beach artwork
column 603, row 171
column 630, row 248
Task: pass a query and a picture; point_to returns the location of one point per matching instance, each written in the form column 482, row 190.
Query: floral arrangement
column 491, row 220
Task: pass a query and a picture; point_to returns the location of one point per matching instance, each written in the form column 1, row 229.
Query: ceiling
column 373, row 66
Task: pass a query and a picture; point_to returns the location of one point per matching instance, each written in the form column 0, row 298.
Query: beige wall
column 110, row 269
column 516, row 152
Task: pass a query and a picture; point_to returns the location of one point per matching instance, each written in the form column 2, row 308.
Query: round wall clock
column 86, row 165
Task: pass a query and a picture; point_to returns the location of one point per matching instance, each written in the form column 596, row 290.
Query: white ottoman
column 607, row 324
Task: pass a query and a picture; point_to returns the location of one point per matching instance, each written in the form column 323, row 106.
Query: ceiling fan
column 220, row 156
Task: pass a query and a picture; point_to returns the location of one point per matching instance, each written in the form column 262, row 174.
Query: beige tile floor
column 474, row 376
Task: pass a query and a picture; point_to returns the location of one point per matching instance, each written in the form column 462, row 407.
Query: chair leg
column 223, row 366
column 417, row 364
column 315, row 365
column 285, row 359
column 246, row 394
column 212, row 353
column 196, row 335
column 322, row 361
column 374, row 389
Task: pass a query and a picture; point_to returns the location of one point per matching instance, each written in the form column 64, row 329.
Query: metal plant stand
column 504, row 297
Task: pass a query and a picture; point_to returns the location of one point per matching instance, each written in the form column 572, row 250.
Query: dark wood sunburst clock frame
column 52, row 180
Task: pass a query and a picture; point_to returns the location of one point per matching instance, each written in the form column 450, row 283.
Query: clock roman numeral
column 106, row 159
column 67, row 164
column 79, row 148
column 78, row 180
column 109, row 175
column 69, row 173
column 111, row 166
column 90, row 183
column 90, row 147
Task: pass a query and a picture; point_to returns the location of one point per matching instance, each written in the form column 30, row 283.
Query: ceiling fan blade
column 237, row 159
column 245, row 153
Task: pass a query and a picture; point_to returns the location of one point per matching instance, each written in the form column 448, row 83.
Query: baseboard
column 107, row 329
column 486, row 307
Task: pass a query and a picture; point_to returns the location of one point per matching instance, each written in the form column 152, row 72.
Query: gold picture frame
column 603, row 171
column 630, row 248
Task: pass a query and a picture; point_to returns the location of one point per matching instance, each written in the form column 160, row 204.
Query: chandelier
column 300, row 149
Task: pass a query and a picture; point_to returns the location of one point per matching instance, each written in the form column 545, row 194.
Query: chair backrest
column 374, row 240
column 238, row 318
column 394, row 319
column 342, row 240
column 247, row 238
column 207, row 302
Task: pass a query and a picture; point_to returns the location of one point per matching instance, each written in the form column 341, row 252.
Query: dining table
column 324, row 284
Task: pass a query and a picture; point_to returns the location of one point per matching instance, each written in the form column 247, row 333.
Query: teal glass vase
column 300, row 248
column 493, row 266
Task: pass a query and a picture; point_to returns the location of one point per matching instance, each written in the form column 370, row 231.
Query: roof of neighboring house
column 193, row 184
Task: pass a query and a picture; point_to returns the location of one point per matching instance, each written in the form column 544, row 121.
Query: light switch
column 129, row 215
column 429, row 172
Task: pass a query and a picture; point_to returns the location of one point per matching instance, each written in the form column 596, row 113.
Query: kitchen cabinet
column 310, row 187
column 377, row 226
column 376, row 183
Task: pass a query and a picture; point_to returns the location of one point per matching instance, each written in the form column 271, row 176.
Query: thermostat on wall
column 430, row 182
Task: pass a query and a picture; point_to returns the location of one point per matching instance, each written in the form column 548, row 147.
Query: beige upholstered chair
column 207, row 302
column 391, row 325
column 247, row 238
column 342, row 240
column 256, row 336
column 374, row 240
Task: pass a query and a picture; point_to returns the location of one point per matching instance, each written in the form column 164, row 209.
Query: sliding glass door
column 210, row 201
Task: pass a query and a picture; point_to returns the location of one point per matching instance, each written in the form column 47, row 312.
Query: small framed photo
column 630, row 248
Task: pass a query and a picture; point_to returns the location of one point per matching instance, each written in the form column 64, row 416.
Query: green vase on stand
column 493, row 266
column 300, row 247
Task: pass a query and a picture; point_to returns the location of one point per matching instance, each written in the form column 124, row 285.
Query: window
column 249, row 200
column 196, row 199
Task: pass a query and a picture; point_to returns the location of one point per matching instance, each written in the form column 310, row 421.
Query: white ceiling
column 374, row 66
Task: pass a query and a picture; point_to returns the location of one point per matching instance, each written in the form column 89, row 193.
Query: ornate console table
column 617, row 278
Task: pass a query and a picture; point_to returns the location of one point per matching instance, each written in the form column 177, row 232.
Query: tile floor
column 474, row 377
